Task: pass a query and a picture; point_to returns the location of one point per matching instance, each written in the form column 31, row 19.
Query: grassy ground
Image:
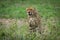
column 13, row 14
column 16, row 9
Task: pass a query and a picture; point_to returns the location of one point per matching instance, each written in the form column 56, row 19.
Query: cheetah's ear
column 30, row 8
column 34, row 8
column 26, row 9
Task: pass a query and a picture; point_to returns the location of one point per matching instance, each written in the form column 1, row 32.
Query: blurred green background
column 13, row 25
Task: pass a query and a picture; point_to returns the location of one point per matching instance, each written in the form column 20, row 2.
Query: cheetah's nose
column 30, row 14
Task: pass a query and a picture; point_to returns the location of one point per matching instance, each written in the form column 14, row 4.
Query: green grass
column 13, row 12
column 17, row 9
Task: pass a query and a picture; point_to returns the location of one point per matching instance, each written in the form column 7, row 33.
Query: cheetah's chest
column 32, row 21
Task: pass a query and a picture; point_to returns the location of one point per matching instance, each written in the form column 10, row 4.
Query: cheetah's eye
column 28, row 12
